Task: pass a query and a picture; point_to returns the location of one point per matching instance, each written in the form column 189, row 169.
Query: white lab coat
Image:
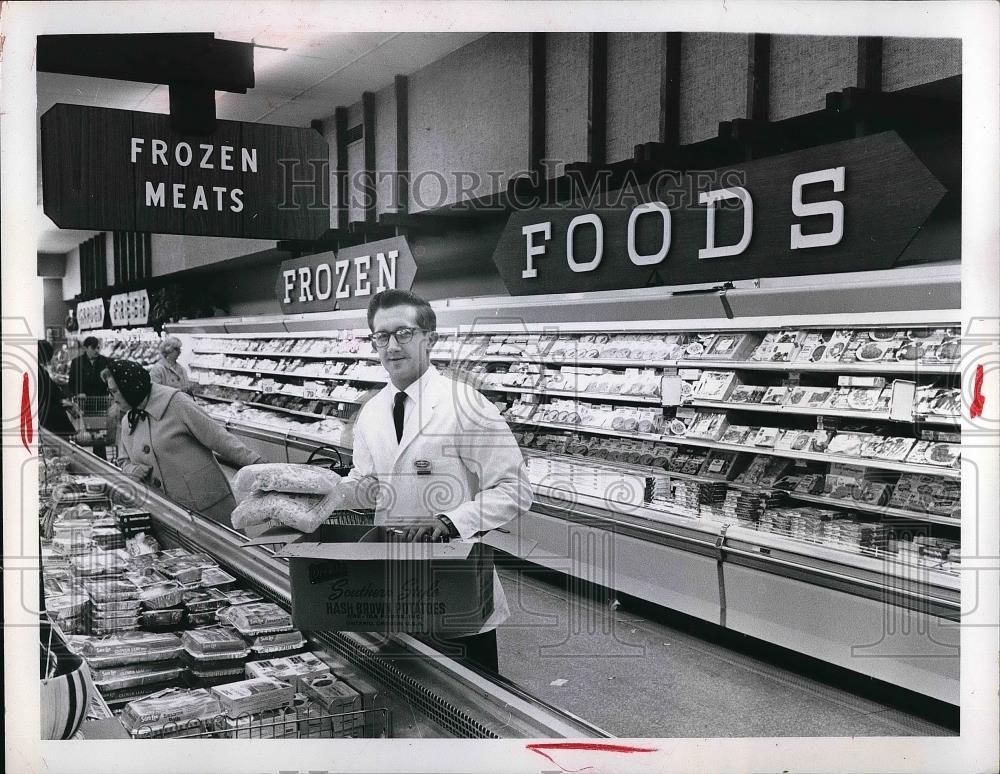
column 477, row 477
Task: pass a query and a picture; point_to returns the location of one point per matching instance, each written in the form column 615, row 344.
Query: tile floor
column 636, row 677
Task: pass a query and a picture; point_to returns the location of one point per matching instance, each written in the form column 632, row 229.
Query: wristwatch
column 452, row 531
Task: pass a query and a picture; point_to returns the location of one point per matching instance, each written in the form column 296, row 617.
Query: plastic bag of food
column 299, row 511
column 288, row 478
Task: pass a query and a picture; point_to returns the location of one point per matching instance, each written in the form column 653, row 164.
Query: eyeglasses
column 402, row 336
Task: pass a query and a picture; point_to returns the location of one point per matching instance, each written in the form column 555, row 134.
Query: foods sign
column 847, row 206
column 119, row 170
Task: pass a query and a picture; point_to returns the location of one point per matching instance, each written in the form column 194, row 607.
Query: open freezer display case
column 186, row 631
column 772, row 463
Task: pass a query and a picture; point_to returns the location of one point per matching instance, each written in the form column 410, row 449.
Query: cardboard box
column 356, row 578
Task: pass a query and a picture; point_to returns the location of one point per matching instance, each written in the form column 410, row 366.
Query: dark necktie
column 398, row 409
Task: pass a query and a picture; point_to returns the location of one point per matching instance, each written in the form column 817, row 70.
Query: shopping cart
column 91, row 419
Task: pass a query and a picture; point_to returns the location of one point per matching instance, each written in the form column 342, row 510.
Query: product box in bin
column 358, row 578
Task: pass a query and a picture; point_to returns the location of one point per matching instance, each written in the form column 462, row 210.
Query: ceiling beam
column 167, row 58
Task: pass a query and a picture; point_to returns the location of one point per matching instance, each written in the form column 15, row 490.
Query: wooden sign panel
column 847, row 206
column 346, row 279
column 120, row 170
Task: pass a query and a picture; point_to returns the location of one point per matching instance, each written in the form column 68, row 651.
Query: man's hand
column 429, row 530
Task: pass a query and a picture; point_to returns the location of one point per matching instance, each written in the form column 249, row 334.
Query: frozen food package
column 214, row 642
column 250, row 696
column 288, row 478
column 290, row 669
column 278, row 642
column 130, row 648
column 299, row 511
column 256, row 618
column 171, row 706
column 109, row 589
column 133, row 675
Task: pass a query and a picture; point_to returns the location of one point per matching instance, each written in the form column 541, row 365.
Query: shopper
column 85, row 371
column 167, row 371
column 51, row 414
column 444, row 459
column 166, row 441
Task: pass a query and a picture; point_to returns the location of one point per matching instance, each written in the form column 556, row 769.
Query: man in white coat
column 431, row 455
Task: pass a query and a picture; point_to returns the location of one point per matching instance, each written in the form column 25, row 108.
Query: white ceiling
column 300, row 76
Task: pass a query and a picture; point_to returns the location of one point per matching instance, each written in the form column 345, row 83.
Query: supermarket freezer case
column 425, row 693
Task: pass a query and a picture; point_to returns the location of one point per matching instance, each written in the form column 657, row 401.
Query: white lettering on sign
column 208, row 156
column 545, row 229
column 316, row 283
column 361, row 285
column 305, row 278
column 343, row 291
column 323, row 270
column 155, row 195
column 594, row 262
column 710, row 198
column 835, row 209
column 386, row 264
column 659, row 255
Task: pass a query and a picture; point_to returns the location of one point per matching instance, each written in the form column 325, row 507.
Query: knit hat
column 132, row 379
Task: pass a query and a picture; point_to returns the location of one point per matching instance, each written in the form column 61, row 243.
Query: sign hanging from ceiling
column 91, row 314
column 129, row 308
column 346, row 279
column 120, row 170
column 847, row 206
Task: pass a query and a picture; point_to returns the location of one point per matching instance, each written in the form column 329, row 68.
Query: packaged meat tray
column 135, row 675
column 248, row 697
column 206, row 618
column 290, row 669
column 110, row 589
column 256, row 618
column 241, row 597
column 156, row 619
column 130, row 648
column 214, row 642
column 280, row 643
column 214, row 576
column 176, row 706
column 204, row 600
column 161, row 595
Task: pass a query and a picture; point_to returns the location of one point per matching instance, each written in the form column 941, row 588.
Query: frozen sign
column 128, row 171
column 849, row 206
column 346, row 279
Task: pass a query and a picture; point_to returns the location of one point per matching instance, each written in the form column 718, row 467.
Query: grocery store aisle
column 638, row 677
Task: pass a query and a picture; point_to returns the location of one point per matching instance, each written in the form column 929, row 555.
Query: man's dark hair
column 92, row 341
column 389, row 299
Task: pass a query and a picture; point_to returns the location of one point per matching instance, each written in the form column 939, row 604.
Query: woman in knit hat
column 167, row 441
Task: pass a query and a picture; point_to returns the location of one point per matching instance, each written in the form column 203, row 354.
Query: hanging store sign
column 847, row 206
column 129, row 308
column 90, row 314
column 345, row 279
column 120, row 170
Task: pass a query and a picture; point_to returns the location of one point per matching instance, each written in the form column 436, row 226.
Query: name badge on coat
column 423, row 467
